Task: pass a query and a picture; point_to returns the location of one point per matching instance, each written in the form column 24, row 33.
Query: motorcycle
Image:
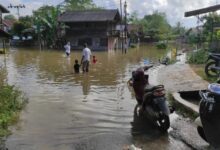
column 154, row 105
column 208, row 124
column 212, row 68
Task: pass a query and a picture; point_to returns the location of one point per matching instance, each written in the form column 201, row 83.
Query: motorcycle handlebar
column 147, row 67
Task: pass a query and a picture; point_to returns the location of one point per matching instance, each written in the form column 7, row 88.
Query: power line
column 18, row 8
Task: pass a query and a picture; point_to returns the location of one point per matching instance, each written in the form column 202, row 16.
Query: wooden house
column 4, row 36
column 97, row 28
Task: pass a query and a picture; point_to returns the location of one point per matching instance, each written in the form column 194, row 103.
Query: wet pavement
column 92, row 111
column 180, row 77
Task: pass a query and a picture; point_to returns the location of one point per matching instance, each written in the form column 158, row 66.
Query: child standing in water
column 76, row 66
column 94, row 60
column 67, row 49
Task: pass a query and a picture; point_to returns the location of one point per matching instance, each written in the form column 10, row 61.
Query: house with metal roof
column 97, row 28
column 4, row 36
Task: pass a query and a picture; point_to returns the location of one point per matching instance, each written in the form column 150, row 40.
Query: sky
column 174, row 9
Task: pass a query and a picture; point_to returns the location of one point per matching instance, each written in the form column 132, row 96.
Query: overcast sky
column 174, row 9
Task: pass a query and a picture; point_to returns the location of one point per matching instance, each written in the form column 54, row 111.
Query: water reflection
column 85, row 84
column 147, row 136
column 142, row 126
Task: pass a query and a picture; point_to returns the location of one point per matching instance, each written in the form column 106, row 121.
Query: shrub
column 11, row 102
column 161, row 45
column 198, row 57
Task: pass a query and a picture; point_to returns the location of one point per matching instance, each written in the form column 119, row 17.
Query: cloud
column 174, row 9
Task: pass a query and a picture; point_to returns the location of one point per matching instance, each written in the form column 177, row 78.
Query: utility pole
column 122, row 41
column 126, row 28
column 18, row 8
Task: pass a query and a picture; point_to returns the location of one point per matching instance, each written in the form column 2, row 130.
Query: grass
column 199, row 70
column 180, row 109
column 11, row 103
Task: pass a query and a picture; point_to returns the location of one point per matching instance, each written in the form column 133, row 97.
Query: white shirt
column 67, row 48
column 86, row 53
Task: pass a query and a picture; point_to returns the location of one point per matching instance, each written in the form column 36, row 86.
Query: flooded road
column 91, row 111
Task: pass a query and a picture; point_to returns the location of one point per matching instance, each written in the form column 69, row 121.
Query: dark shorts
column 67, row 54
column 85, row 66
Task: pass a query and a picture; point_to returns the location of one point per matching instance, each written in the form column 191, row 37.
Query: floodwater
column 90, row 111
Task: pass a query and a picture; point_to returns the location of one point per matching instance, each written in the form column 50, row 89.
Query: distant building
column 97, row 28
column 7, row 25
column 4, row 36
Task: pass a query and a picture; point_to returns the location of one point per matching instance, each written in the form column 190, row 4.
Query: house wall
column 95, row 34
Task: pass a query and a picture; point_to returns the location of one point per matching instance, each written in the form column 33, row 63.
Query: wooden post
column 122, row 41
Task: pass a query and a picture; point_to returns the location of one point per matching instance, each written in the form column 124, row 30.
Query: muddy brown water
column 91, row 111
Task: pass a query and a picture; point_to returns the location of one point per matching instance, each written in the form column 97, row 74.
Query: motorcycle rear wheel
column 201, row 133
column 211, row 72
column 163, row 122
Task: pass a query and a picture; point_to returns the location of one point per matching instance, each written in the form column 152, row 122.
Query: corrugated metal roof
column 202, row 11
column 3, row 9
column 8, row 23
column 89, row 16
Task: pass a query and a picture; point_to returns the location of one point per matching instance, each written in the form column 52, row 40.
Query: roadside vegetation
column 206, row 40
column 11, row 103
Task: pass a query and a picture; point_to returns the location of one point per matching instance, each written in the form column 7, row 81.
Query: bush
column 161, row 45
column 133, row 45
column 198, row 57
column 11, row 102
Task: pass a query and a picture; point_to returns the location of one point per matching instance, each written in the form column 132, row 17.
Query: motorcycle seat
column 214, row 88
column 215, row 54
column 150, row 88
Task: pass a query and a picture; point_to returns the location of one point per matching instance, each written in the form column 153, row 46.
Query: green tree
column 178, row 29
column 17, row 28
column 210, row 21
column 133, row 18
column 156, row 25
column 80, row 5
column 10, row 17
column 27, row 21
column 45, row 20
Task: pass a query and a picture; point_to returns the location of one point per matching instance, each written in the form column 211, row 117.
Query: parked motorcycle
column 208, row 124
column 154, row 105
column 212, row 68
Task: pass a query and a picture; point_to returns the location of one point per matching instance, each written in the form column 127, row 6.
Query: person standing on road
column 86, row 54
column 67, row 49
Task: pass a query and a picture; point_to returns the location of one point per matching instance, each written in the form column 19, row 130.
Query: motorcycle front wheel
column 210, row 72
column 163, row 122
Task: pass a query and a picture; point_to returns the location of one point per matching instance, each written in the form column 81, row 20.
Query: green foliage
column 80, row 5
column 45, row 20
column 161, row 45
column 133, row 45
column 11, row 102
column 156, row 26
column 133, row 18
column 10, row 17
column 198, row 57
column 27, row 21
column 178, row 29
column 210, row 20
column 17, row 28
